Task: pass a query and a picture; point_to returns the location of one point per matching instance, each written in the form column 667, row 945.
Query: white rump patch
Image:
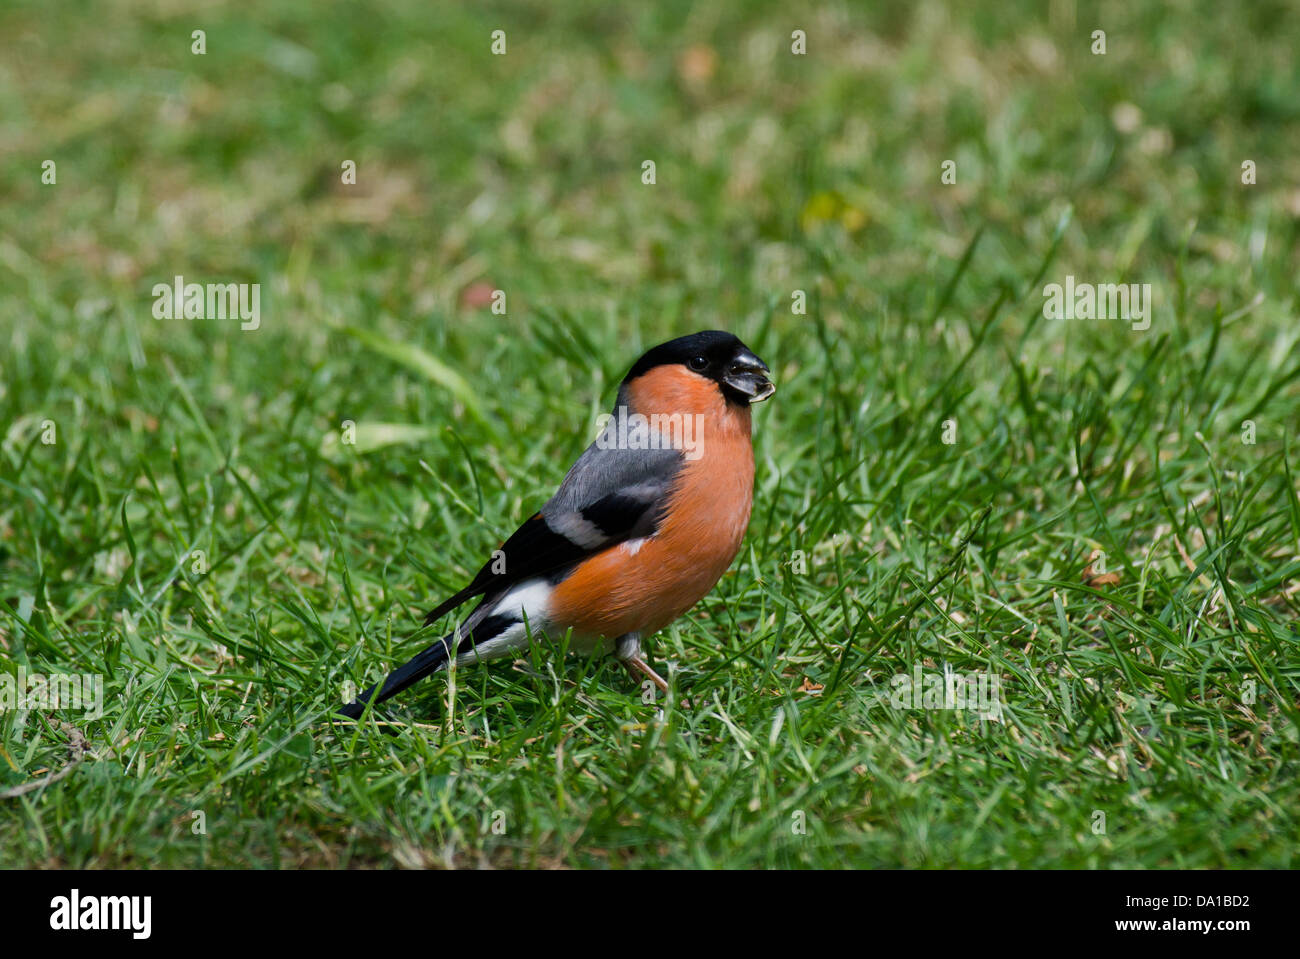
column 508, row 641
column 530, row 600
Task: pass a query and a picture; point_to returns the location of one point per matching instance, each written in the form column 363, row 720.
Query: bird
column 641, row 528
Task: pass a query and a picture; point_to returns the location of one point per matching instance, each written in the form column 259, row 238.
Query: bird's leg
column 628, row 650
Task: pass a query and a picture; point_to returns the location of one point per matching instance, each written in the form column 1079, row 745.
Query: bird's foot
column 640, row 666
column 628, row 650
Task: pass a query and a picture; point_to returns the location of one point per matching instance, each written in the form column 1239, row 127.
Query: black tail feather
column 445, row 607
column 429, row 661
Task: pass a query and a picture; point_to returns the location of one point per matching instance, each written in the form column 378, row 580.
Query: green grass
column 1166, row 701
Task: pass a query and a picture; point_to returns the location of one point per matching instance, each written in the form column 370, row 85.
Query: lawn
column 1096, row 520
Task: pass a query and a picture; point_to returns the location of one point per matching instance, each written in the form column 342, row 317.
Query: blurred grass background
column 774, row 173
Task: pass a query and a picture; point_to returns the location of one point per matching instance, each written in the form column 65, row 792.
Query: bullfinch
column 642, row 527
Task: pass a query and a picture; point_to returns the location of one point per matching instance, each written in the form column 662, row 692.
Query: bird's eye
column 698, row 363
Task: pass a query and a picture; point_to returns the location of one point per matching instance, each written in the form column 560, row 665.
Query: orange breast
column 643, row 585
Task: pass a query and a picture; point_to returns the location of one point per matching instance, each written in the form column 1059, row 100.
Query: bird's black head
column 714, row 355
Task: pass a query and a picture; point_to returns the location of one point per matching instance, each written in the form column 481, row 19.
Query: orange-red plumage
column 643, row 525
column 642, row 586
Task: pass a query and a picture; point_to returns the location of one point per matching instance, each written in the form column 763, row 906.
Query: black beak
column 745, row 376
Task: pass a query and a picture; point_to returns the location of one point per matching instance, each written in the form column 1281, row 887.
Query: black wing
column 609, row 496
